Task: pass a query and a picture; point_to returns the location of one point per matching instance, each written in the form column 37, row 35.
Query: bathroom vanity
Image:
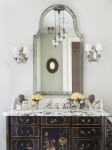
column 56, row 130
column 57, row 68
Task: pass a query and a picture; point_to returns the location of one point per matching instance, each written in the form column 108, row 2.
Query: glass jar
column 18, row 107
column 24, row 105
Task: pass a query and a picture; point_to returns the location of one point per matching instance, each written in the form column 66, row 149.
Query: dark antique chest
column 55, row 133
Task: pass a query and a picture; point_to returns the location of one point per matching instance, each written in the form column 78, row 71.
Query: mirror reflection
column 52, row 65
column 58, row 38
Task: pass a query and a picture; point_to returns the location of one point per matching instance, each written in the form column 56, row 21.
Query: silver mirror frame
column 35, row 45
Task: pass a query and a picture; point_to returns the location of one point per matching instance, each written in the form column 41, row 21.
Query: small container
column 24, row 105
column 18, row 107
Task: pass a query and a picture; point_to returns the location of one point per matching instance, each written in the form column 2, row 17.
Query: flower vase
column 37, row 104
column 78, row 105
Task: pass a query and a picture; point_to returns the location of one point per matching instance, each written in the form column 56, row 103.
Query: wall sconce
column 21, row 56
column 93, row 52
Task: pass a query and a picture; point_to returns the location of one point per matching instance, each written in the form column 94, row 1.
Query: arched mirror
column 58, row 38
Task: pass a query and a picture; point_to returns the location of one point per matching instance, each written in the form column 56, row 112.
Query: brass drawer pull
column 53, row 121
column 26, row 147
column 29, row 148
column 84, row 146
column 85, row 133
column 24, row 121
column 86, row 122
column 27, row 132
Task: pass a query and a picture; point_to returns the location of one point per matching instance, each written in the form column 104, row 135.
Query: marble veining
column 57, row 112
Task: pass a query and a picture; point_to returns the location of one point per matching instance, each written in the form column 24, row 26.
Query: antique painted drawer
column 24, row 131
column 24, row 144
column 55, row 120
column 83, row 120
column 85, row 132
column 85, row 144
column 24, row 120
column 56, row 137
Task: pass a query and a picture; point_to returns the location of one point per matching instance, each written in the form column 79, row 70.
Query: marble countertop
column 57, row 112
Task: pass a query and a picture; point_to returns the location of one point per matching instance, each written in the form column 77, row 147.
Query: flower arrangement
column 35, row 100
column 77, row 96
column 37, row 97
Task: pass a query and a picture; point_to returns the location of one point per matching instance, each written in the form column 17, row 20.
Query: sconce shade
column 15, row 50
column 25, row 51
column 98, row 47
column 88, row 47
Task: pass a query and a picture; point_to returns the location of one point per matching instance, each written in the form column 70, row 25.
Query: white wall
column 19, row 21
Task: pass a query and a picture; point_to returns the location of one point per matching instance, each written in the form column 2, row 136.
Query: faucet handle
column 48, row 106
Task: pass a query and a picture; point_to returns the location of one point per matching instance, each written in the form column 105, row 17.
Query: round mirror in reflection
column 52, row 65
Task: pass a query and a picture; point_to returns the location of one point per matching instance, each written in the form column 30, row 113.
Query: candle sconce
column 93, row 52
column 21, row 56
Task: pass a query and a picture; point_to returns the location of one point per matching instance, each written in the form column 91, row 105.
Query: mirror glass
column 57, row 38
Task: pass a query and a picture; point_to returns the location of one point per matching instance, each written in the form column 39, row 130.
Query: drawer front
column 24, row 131
column 55, row 120
column 24, row 144
column 85, row 144
column 85, row 132
column 24, row 120
column 86, row 120
column 56, row 137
